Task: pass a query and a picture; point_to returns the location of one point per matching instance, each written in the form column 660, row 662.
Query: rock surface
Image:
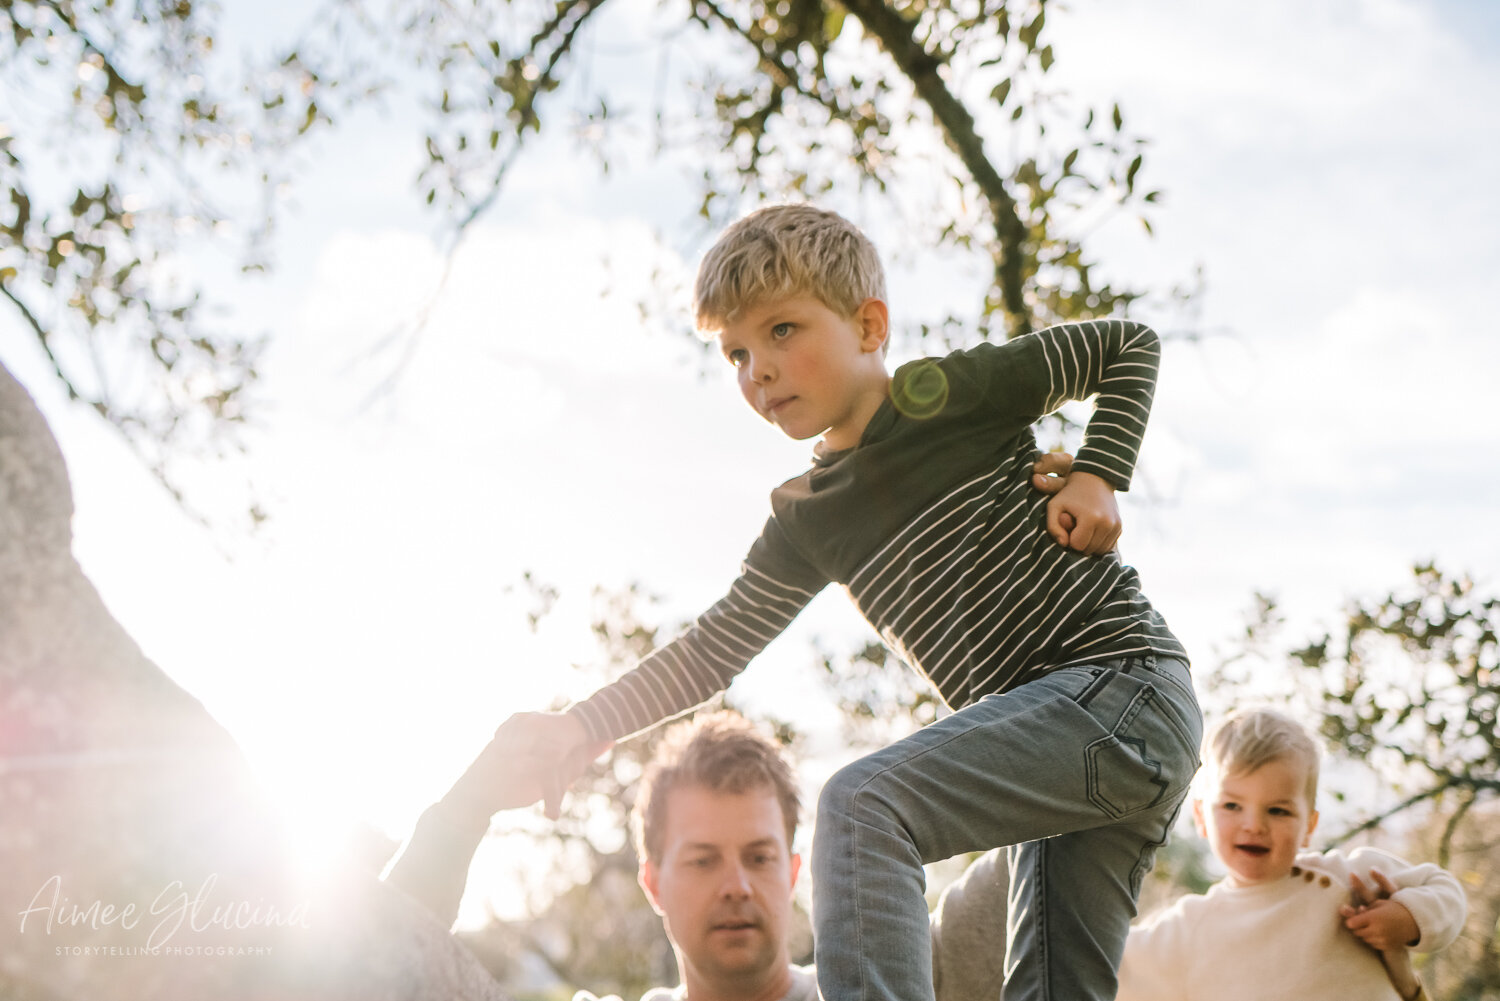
column 137, row 858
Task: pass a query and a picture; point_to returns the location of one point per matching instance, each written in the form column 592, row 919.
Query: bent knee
column 851, row 788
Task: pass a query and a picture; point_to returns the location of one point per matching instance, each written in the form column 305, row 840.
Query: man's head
column 796, row 297
column 1259, row 788
column 714, row 822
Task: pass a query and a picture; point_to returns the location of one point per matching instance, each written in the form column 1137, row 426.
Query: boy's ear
column 1198, row 818
column 874, row 321
column 1312, row 825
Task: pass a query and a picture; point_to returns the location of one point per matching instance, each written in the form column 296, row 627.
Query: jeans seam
column 1044, row 959
column 859, row 916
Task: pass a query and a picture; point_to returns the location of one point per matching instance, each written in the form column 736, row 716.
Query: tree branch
column 41, row 336
column 1445, row 843
column 897, row 36
column 1381, row 818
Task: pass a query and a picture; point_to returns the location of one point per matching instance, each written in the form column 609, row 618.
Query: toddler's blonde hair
column 1248, row 738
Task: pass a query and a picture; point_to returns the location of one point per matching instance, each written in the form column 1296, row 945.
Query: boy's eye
column 737, row 357
column 781, row 330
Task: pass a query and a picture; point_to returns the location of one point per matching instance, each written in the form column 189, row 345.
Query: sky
column 1330, row 167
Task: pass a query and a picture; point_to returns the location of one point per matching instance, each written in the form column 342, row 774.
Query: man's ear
column 647, row 875
column 796, row 867
column 874, row 321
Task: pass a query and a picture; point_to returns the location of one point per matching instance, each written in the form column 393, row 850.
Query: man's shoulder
column 804, row 987
column 654, row 994
column 804, row 984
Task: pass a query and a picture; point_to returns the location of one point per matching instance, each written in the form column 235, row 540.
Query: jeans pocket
column 1146, row 760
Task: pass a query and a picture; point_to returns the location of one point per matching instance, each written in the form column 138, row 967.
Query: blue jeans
column 1081, row 772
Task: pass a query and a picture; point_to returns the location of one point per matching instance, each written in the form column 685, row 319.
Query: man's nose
column 736, row 882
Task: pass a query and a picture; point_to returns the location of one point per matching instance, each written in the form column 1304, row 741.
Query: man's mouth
column 738, row 924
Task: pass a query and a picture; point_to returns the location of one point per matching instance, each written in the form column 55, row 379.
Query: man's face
column 1256, row 822
column 723, row 885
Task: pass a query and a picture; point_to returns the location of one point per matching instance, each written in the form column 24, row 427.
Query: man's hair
column 784, row 250
column 1249, row 738
column 721, row 752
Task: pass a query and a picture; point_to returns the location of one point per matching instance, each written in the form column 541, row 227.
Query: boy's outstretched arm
column 1082, row 513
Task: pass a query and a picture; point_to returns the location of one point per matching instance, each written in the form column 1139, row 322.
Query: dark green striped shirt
column 934, row 529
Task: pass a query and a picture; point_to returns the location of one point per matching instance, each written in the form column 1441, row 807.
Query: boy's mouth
column 1256, row 850
column 774, row 405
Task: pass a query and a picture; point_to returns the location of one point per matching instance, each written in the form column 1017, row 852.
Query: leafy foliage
column 123, row 150
column 128, row 145
column 907, row 101
column 1407, row 684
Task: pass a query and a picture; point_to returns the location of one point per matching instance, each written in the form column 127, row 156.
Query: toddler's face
column 1257, row 822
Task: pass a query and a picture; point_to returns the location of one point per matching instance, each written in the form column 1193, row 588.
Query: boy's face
column 1257, row 822
column 808, row 370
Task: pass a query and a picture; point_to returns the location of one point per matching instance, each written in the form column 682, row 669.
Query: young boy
column 1075, row 733
column 1280, row 924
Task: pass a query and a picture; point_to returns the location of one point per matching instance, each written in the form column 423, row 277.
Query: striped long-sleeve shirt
column 933, row 527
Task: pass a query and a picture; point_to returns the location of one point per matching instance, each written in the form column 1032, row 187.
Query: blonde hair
column 784, row 250
column 1249, row 738
column 722, row 752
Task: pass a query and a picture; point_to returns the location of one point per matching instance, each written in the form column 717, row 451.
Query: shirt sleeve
column 774, row 585
column 1037, row 373
column 1433, row 895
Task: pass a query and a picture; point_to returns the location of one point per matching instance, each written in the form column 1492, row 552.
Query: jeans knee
column 847, row 792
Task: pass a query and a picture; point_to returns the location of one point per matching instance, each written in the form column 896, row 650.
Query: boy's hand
column 1376, row 919
column 1049, row 474
column 1083, row 514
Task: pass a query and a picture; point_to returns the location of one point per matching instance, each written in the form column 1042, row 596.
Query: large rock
column 137, row 859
